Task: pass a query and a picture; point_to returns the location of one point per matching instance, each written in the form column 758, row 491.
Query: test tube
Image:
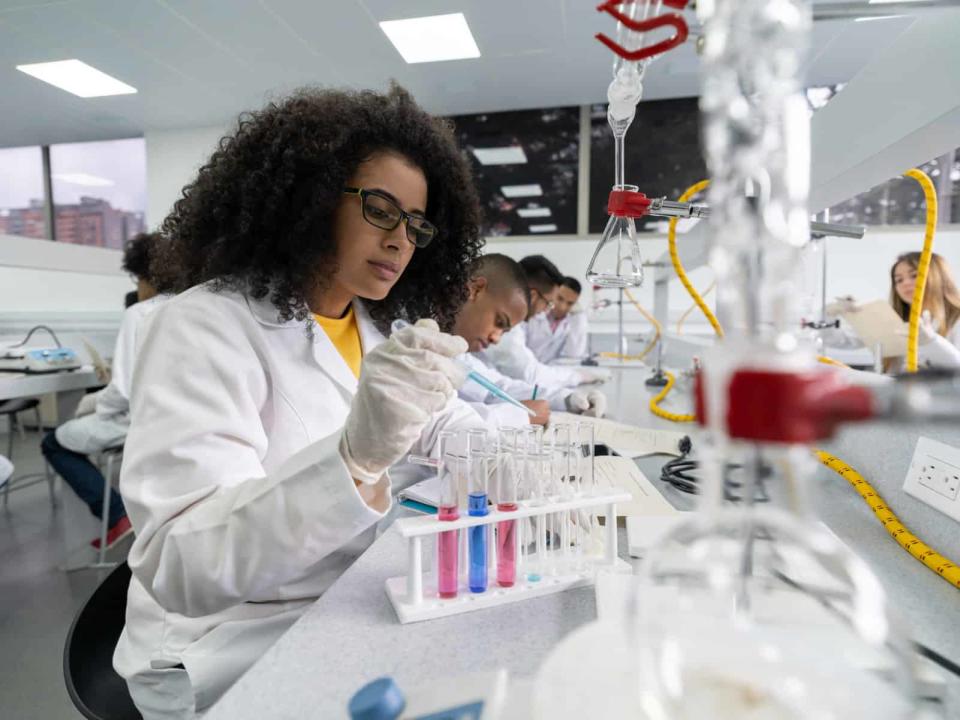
column 586, row 439
column 506, row 502
column 448, row 542
column 533, row 477
column 477, row 506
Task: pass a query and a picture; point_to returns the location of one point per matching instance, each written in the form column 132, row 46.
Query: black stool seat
column 93, row 685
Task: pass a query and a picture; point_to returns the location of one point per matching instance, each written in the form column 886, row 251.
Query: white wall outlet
column 934, row 476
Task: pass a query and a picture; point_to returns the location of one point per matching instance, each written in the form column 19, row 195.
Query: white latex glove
column 6, row 470
column 926, row 331
column 403, row 382
column 592, row 376
column 841, row 306
column 591, row 403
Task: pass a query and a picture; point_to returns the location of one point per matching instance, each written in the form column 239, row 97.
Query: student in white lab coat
column 560, row 333
column 498, row 299
column 513, row 357
column 939, row 324
column 256, row 466
column 106, row 422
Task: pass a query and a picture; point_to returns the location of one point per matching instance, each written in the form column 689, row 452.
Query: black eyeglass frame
column 414, row 234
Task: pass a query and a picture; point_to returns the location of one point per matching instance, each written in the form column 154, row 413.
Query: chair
column 96, row 690
column 10, row 409
column 109, row 455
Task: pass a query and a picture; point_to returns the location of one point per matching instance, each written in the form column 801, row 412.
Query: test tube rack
column 414, row 595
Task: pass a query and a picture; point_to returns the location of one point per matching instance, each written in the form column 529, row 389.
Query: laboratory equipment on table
column 616, row 262
column 17, row 358
column 477, row 467
column 476, row 377
column 754, row 610
column 534, row 490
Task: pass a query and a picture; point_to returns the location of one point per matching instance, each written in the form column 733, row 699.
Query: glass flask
column 616, row 261
column 755, row 612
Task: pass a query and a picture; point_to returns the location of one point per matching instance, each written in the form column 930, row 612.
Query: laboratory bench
column 351, row 635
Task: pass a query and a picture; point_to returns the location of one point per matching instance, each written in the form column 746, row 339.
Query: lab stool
column 95, row 688
column 10, row 410
column 105, row 460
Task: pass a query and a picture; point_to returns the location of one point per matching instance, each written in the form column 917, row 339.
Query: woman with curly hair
column 268, row 404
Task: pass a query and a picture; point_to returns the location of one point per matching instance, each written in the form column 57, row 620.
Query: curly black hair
column 137, row 254
column 258, row 216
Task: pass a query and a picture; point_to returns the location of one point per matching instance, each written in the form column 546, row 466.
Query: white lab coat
column 107, row 426
column 512, row 357
column 492, row 408
column 567, row 340
column 243, row 509
column 940, row 352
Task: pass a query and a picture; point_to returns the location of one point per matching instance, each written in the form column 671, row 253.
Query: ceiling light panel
column 432, row 39
column 515, row 191
column 533, row 212
column 78, row 78
column 543, row 228
column 510, row 155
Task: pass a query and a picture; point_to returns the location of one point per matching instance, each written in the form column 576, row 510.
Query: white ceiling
column 200, row 62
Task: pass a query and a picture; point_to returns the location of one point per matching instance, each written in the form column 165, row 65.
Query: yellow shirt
column 345, row 336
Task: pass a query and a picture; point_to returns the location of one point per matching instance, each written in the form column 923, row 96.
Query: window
column 525, row 164
column 662, row 156
column 21, row 192
column 899, row 201
column 99, row 191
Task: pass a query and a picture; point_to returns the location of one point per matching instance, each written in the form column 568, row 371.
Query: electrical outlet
column 934, row 476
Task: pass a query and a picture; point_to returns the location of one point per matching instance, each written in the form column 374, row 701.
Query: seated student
column 561, row 332
column 513, row 357
column 268, row 404
column 498, row 299
column 67, row 448
column 939, row 335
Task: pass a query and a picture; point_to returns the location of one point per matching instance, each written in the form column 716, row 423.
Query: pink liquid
column 448, row 552
column 506, row 548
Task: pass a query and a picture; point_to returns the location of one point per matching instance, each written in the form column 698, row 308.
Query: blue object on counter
column 379, row 699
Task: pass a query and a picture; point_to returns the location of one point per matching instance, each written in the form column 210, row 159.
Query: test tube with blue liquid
column 448, row 543
column 477, row 507
column 533, row 480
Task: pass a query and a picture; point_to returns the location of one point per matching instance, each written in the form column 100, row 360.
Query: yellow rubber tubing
column 666, row 414
column 678, row 267
column 936, row 562
column 916, row 304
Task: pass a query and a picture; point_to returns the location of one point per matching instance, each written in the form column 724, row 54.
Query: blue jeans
column 82, row 476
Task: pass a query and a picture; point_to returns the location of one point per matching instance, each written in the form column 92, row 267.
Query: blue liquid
column 477, row 540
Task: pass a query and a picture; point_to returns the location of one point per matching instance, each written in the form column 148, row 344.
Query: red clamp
column 789, row 407
column 628, row 203
column 673, row 19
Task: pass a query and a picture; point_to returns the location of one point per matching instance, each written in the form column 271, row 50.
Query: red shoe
column 121, row 528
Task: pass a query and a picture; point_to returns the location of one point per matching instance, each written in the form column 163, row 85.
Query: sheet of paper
column 623, row 473
column 877, row 322
column 627, row 440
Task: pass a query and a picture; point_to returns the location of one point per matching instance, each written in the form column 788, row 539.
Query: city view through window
column 99, row 192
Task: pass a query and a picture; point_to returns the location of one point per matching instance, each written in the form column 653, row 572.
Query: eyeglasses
column 382, row 212
column 549, row 303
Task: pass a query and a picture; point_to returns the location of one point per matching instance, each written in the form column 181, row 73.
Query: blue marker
column 474, row 375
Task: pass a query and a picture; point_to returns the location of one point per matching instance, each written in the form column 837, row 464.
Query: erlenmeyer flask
column 616, row 261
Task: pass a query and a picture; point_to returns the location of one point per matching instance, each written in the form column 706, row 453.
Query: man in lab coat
column 560, row 333
column 514, row 358
column 499, row 299
column 103, row 419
